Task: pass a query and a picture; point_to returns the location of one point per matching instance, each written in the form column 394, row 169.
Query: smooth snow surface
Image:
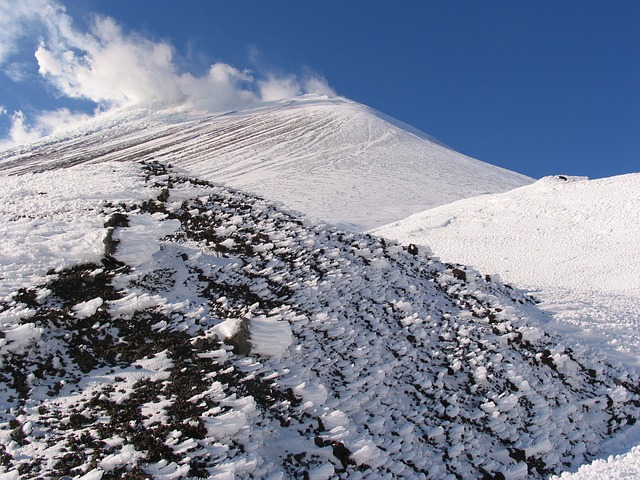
column 330, row 158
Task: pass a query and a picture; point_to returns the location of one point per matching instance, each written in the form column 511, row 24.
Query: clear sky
column 540, row 87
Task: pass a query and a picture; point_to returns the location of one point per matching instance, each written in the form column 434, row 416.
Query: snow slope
column 574, row 242
column 165, row 327
column 331, row 158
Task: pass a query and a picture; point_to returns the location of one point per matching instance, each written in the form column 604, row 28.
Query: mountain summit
column 331, row 158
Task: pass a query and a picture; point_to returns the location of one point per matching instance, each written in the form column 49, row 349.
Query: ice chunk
column 88, row 308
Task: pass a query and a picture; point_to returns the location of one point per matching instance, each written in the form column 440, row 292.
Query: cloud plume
column 114, row 69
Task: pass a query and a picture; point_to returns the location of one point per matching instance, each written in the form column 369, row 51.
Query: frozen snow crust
column 215, row 335
column 331, row 158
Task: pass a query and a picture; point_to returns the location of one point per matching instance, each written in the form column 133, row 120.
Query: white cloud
column 275, row 88
column 107, row 66
column 115, row 69
column 110, row 67
column 17, row 71
column 223, row 87
column 45, row 123
column 17, row 20
column 319, row 85
column 19, row 133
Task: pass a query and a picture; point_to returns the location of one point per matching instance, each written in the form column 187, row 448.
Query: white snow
column 626, row 466
column 125, row 456
column 331, row 158
column 227, row 328
column 88, row 308
column 44, row 223
column 270, row 335
column 322, row 472
column 139, row 241
column 574, row 243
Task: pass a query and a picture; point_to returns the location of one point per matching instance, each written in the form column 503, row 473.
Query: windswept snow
column 311, row 352
column 154, row 324
column 44, row 223
column 331, row 158
column 575, row 243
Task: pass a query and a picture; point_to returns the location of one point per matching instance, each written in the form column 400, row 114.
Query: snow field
column 574, row 243
column 45, row 220
column 344, row 163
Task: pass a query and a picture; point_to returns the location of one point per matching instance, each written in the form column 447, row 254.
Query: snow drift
column 572, row 240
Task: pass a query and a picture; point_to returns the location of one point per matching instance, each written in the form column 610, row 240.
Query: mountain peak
column 331, row 158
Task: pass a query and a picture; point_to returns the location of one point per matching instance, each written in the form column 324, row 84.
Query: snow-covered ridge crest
column 388, row 361
column 331, row 158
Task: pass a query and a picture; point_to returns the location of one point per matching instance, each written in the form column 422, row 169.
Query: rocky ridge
column 219, row 335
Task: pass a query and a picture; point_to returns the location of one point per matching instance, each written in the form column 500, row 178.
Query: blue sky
column 540, row 87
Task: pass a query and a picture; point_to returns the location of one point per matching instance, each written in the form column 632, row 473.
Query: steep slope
column 330, row 158
column 163, row 326
column 571, row 240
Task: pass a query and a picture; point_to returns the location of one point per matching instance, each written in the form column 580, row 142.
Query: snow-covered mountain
column 573, row 241
column 154, row 325
column 330, row 158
